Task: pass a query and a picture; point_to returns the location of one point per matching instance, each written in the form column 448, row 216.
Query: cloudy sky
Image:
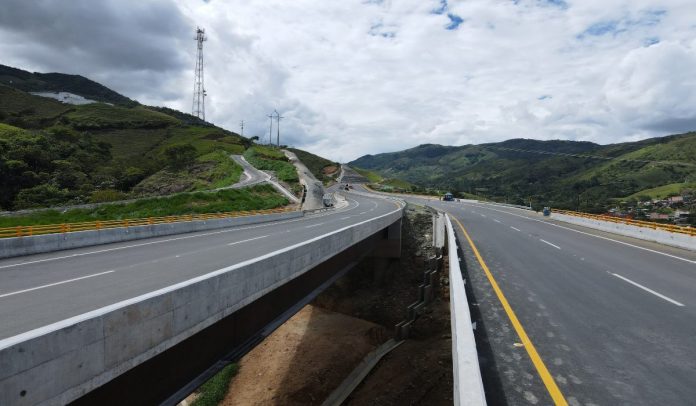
column 353, row 77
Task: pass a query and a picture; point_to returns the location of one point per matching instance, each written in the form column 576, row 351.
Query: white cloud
column 355, row 77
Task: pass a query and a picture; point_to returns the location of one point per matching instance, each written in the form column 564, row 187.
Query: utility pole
column 278, row 118
column 241, row 124
column 199, row 93
column 270, row 130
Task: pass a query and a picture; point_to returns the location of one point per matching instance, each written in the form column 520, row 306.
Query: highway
column 610, row 320
column 38, row 290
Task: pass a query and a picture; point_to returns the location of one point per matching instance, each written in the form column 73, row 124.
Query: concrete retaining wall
column 468, row 386
column 18, row 246
column 60, row 362
column 661, row 236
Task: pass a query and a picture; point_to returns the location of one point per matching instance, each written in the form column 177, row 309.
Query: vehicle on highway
column 449, row 197
column 328, row 200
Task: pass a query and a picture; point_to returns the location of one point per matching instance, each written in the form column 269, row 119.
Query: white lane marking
column 553, row 245
column 496, row 220
column 661, row 296
column 54, row 284
column 346, row 217
column 230, row 230
column 362, row 212
column 483, row 215
column 247, row 240
column 314, row 225
column 515, row 228
column 37, row 332
column 598, row 236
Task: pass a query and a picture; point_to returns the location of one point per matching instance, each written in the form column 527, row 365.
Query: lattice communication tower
column 199, row 94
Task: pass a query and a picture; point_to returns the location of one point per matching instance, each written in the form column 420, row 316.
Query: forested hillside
column 568, row 174
column 53, row 153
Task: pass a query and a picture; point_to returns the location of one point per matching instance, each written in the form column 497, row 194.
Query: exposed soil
column 303, row 361
column 329, row 170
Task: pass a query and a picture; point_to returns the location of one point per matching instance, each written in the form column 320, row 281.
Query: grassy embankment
column 254, row 198
column 272, row 159
column 322, row 168
column 662, row 192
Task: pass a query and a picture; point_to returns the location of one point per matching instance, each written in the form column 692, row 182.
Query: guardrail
column 639, row 223
column 27, row 231
column 468, row 386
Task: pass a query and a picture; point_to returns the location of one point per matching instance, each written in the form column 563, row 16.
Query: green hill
column 60, row 82
column 53, row 153
column 564, row 174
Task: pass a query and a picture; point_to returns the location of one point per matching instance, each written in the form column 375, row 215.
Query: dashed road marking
column 546, row 242
column 638, row 285
column 54, row 284
column 247, row 240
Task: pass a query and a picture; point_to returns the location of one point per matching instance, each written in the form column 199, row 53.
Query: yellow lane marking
column 546, row 377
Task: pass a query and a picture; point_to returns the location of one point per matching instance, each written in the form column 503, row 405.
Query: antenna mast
column 199, row 94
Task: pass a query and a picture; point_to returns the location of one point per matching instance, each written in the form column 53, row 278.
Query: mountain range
column 564, row 174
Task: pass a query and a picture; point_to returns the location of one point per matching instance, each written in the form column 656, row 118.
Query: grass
column 206, row 139
column 397, row 184
column 373, row 177
column 215, row 389
column 316, row 164
column 225, row 172
column 254, row 198
column 269, row 153
column 8, row 131
column 663, row 191
column 97, row 116
column 25, row 110
column 267, row 159
column 132, row 143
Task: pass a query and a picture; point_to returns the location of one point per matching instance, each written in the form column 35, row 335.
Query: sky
column 356, row 77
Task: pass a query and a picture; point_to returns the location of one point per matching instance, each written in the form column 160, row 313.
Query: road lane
column 605, row 341
column 127, row 270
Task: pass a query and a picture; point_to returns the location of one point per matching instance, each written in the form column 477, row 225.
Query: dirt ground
column 303, row 361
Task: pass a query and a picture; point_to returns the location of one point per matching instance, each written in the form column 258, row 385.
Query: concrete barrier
column 58, row 363
column 468, row 386
column 644, row 233
column 18, row 246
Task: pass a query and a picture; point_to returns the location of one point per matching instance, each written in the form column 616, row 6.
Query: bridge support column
column 386, row 253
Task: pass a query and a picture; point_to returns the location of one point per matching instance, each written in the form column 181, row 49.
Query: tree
column 180, row 156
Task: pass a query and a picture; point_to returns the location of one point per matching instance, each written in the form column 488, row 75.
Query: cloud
column 653, row 87
column 356, row 76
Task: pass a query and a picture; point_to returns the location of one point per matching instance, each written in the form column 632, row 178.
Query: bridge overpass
column 564, row 314
column 138, row 320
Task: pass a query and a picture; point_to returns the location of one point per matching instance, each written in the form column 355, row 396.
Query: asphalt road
column 315, row 189
column 613, row 319
column 41, row 289
column 250, row 176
